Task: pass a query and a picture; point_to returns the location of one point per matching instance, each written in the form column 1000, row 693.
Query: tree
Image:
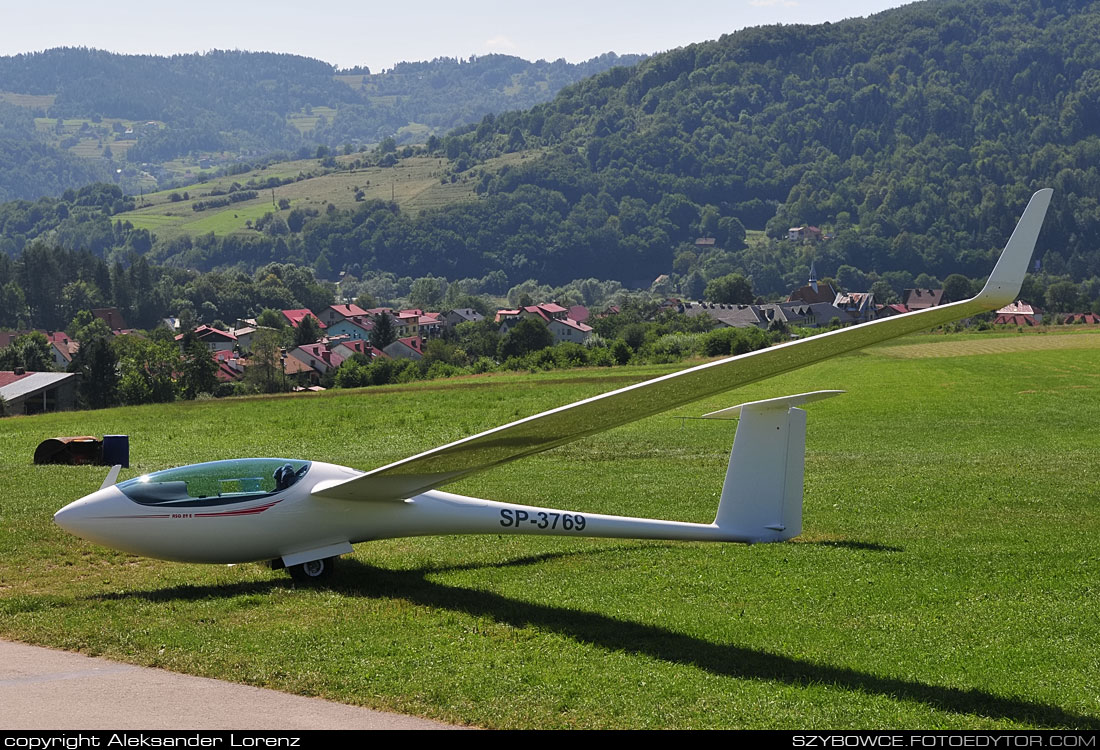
column 270, row 318
column 199, row 369
column 383, row 333
column 731, row 289
column 478, row 338
column 884, row 293
column 146, row 370
column 31, row 351
column 1063, row 296
column 956, row 287
column 266, row 372
column 528, row 335
column 307, row 332
column 97, row 364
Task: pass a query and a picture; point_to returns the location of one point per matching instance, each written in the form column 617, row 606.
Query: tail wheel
column 314, row 571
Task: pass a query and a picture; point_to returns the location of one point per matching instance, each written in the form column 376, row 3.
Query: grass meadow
column 947, row 575
column 413, row 183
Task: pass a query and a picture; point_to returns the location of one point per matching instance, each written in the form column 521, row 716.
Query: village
column 303, row 350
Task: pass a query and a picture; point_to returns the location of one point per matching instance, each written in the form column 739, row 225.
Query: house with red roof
column 886, row 311
column 335, row 313
column 1085, row 318
column 922, row 299
column 357, row 327
column 230, row 367
column 578, row 313
column 112, row 316
column 546, row 312
column 410, row 347
column 350, row 348
column 565, row 329
column 294, row 317
column 430, row 325
column 1019, row 313
column 214, row 339
column 317, row 356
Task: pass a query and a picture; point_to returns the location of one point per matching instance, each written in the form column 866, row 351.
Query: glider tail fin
column 762, row 494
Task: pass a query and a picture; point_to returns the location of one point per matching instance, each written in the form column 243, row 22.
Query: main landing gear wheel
column 314, row 571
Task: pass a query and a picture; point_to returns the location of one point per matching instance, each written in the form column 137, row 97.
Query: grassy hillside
column 946, row 576
column 413, row 183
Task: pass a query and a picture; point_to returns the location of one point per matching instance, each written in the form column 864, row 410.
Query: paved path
column 46, row 689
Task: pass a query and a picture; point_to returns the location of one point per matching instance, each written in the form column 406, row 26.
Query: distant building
column 294, row 317
column 922, row 299
column 335, row 313
column 317, row 356
column 858, row 305
column 806, row 315
column 410, row 347
column 348, row 349
column 37, row 392
column 1019, row 313
column 579, row 313
column 212, row 338
column 1085, row 318
column 458, row 316
column 112, row 316
column 358, row 327
column 565, row 329
column 813, row 292
column 804, row 234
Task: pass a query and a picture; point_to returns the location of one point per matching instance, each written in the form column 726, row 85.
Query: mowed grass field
column 947, row 576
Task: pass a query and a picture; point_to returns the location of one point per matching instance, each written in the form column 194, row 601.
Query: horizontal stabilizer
column 782, row 404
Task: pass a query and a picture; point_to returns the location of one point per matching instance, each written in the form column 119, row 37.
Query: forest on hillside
column 247, row 102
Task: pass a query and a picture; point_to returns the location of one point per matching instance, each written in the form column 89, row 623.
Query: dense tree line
column 45, row 286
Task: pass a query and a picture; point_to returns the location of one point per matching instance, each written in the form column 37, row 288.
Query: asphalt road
column 46, row 689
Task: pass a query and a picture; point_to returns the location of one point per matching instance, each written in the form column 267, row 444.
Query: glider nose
column 80, row 516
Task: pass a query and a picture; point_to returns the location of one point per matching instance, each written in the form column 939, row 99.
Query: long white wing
column 540, row 432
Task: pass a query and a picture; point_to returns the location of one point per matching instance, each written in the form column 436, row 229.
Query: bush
column 727, row 341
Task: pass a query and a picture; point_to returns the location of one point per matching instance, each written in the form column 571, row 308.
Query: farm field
column 946, row 577
column 414, row 183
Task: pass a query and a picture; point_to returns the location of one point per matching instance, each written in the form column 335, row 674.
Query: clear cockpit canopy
column 216, row 482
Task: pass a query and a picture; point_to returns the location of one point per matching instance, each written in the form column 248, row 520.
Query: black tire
column 313, row 572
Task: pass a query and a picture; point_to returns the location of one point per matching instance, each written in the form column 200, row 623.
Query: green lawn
column 946, row 576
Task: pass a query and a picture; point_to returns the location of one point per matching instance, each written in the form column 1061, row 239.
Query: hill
column 911, row 138
column 154, row 118
column 914, row 136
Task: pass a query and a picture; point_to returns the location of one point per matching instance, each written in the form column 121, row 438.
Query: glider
column 302, row 514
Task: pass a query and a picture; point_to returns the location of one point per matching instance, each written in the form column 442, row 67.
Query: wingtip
column 1008, row 276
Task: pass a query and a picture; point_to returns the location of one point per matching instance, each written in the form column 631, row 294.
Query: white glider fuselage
column 295, row 521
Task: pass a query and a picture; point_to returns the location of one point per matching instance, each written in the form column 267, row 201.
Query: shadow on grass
column 354, row 578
